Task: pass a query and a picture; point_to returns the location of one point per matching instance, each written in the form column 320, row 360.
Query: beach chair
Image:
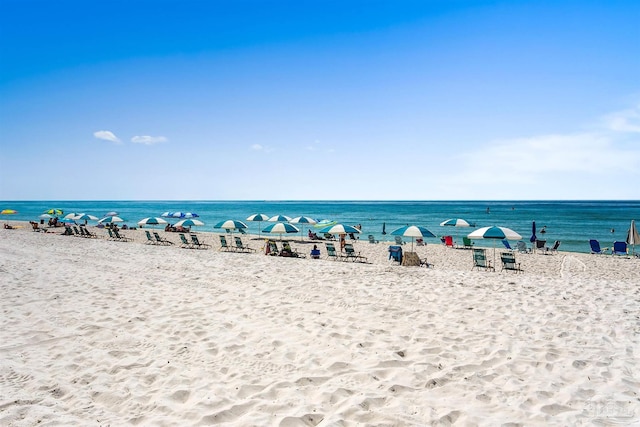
column 150, row 239
column 541, row 245
column 198, row 244
column 509, row 262
column 224, row 246
column 420, row 242
column 372, row 239
column 272, row 248
column 467, row 243
column 76, row 231
column 328, row 236
column 331, row 252
column 554, row 248
column 507, row 245
column 111, row 236
column 352, row 255
column 595, row 247
column 395, row 253
column 241, row 246
column 522, row 247
column 287, row 251
column 185, row 243
column 121, row 237
column 480, row 260
column 398, row 240
column 448, row 242
column 160, row 240
column 67, row 231
column 619, row 248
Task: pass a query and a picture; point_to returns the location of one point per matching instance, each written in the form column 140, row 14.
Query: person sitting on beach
column 286, row 249
column 313, row 236
column 315, row 252
column 7, row 226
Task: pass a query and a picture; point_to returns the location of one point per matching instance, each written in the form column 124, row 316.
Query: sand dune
column 96, row 332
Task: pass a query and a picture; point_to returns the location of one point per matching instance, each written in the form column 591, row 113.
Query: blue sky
column 295, row 100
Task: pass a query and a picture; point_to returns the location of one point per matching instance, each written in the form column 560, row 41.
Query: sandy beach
column 98, row 332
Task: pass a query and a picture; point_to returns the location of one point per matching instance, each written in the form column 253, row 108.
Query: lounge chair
column 506, row 244
column 522, row 247
column 287, row 251
column 595, row 247
column 619, row 248
column 272, row 248
column 331, row 252
column 160, row 240
column 197, row 244
column 541, row 245
column 372, row 239
column 241, row 246
column 509, row 262
column 395, row 253
column 467, row 243
column 398, row 240
column 352, row 255
column 224, row 246
column 329, row 236
column 448, row 242
column 555, row 246
column 67, row 231
column 150, row 239
column 186, row 244
column 480, row 260
column 121, row 237
column 111, row 236
column 76, row 231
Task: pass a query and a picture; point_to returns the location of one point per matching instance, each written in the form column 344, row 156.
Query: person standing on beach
column 343, row 241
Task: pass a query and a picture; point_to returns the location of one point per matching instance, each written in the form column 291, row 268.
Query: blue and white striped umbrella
column 455, row 222
column 85, row 217
column 152, row 221
column 280, row 218
column 188, row 223
column 280, row 228
column 303, row 220
column 110, row 219
column 412, row 231
column 180, row 215
column 339, row 229
column 494, row 232
column 230, row 224
column 258, row 218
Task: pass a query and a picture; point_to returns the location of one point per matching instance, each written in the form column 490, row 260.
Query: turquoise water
column 571, row 222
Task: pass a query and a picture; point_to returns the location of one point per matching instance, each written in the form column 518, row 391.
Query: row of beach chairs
column 239, row 247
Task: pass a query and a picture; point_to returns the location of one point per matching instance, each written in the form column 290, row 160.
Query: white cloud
column 624, row 121
column 106, row 135
column 257, row 147
column 148, row 140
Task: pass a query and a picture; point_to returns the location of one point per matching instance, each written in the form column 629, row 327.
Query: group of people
column 178, row 229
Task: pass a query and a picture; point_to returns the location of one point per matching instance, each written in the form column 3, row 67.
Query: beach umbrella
column 152, row 221
column 412, row 231
column 339, row 229
column 258, row 218
column 54, row 211
column 85, row 217
column 494, row 233
column 181, row 214
column 66, row 220
column 303, row 220
column 45, row 216
column 280, row 228
column 188, row 223
column 455, row 222
column 533, row 237
column 280, row 218
column 230, row 224
column 632, row 237
column 112, row 213
column 8, row 212
column 110, row 219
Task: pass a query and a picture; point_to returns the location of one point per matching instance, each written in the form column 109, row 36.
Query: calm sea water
column 571, row 222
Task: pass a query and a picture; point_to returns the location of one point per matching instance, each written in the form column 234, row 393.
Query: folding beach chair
column 331, row 252
column 352, row 255
column 160, row 240
column 224, row 246
column 619, row 248
column 197, row 244
column 595, row 247
column 241, row 246
column 509, row 262
column 185, row 243
column 480, row 260
column 395, row 253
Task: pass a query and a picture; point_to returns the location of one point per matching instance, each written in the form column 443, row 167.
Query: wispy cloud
column 624, row 121
column 106, row 135
column 148, row 140
column 262, row 148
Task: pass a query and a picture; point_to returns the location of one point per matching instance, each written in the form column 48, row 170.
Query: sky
column 319, row 100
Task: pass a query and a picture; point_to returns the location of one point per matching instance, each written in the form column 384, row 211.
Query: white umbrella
column 85, row 217
column 280, row 218
column 188, row 223
column 110, row 219
column 455, row 222
column 339, row 229
column 303, row 220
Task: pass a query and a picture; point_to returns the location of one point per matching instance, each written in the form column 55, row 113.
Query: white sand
column 96, row 332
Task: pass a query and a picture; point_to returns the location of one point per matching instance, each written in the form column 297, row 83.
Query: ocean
column 573, row 223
